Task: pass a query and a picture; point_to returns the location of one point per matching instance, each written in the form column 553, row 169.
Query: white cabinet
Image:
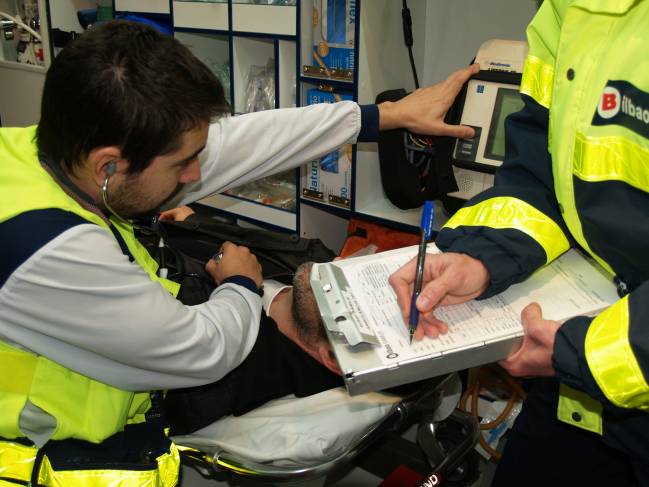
column 142, row 6
column 201, row 15
column 264, row 19
column 284, row 41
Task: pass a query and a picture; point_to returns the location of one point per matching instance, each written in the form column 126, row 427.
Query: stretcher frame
column 417, row 407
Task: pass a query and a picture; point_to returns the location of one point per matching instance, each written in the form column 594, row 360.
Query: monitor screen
column 507, row 101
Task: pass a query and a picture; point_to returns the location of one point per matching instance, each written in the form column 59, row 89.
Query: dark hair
column 309, row 325
column 124, row 84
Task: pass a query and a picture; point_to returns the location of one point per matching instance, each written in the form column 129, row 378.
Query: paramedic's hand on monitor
column 236, row 260
column 534, row 357
column 449, row 278
column 423, row 110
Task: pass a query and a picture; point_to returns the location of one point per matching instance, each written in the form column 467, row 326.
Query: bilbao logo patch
column 622, row 103
column 609, row 103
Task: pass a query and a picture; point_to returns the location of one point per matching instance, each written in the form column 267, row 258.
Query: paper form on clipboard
column 371, row 340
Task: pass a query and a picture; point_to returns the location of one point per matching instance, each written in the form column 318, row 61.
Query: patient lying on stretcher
column 291, row 356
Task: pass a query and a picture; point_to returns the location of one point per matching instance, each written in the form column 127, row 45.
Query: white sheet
column 305, row 431
column 295, row 431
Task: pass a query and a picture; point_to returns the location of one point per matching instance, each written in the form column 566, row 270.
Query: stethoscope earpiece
column 110, row 168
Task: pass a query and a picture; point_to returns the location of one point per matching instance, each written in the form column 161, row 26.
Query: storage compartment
column 209, row 15
column 328, row 31
column 144, row 6
column 271, row 17
column 328, row 180
column 213, row 50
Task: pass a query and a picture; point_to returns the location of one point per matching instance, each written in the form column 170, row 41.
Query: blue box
column 334, row 27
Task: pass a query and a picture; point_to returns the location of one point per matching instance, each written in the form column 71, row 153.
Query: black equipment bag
column 409, row 185
column 191, row 243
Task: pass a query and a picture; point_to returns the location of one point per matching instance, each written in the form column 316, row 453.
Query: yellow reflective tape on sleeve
column 579, row 409
column 537, row 80
column 506, row 212
column 611, row 359
column 611, row 159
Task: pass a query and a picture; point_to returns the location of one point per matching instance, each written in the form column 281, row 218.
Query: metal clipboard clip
column 329, row 287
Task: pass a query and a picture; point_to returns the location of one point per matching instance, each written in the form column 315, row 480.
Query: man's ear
column 328, row 359
column 103, row 162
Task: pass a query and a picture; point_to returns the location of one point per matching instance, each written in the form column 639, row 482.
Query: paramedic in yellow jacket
column 576, row 174
column 130, row 121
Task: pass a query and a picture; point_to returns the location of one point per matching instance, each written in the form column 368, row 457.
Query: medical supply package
column 334, row 24
column 328, row 179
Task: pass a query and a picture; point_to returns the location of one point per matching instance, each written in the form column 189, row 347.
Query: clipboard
column 364, row 332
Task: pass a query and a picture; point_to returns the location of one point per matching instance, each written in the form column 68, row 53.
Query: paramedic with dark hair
column 576, row 174
column 131, row 121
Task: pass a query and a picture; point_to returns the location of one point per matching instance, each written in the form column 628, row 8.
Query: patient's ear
column 328, row 359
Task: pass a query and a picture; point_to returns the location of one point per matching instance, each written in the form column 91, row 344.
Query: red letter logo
column 609, row 103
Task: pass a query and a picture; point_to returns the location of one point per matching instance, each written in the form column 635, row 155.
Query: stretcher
column 299, row 439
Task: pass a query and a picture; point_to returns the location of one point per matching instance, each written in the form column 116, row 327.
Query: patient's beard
column 305, row 310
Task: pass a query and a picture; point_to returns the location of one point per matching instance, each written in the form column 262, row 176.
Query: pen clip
column 428, row 219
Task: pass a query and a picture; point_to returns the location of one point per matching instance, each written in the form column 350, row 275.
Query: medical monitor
column 484, row 103
column 508, row 101
column 486, row 106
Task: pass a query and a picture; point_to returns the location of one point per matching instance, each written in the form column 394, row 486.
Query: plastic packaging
column 260, row 87
column 492, row 436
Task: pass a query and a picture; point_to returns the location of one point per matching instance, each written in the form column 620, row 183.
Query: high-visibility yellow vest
column 84, row 409
column 574, row 56
column 587, row 66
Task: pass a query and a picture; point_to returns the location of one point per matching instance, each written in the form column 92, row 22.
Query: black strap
column 60, row 38
column 134, row 448
column 36, row 469
column 122, row 243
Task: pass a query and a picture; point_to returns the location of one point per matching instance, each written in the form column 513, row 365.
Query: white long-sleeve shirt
column 79, row 301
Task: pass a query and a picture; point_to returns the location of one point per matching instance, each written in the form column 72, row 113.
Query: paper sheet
column 570, row 286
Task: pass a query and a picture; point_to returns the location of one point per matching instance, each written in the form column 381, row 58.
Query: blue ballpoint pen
column 426, row 228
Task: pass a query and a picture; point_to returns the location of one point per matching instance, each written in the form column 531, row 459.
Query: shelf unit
column 231, row 38
column 232, row 35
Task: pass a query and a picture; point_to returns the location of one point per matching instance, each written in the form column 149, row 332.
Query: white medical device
column 490, row 96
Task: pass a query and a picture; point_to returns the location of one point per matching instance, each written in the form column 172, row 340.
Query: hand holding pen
column 426, row 230
column 447, row 278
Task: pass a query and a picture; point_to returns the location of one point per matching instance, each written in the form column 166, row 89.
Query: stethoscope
column 155, row 226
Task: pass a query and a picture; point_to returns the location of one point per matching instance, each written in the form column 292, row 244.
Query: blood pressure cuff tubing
column 404, row 183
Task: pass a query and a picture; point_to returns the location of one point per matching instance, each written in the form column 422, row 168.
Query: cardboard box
column 328, row 179
column 334, row 23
